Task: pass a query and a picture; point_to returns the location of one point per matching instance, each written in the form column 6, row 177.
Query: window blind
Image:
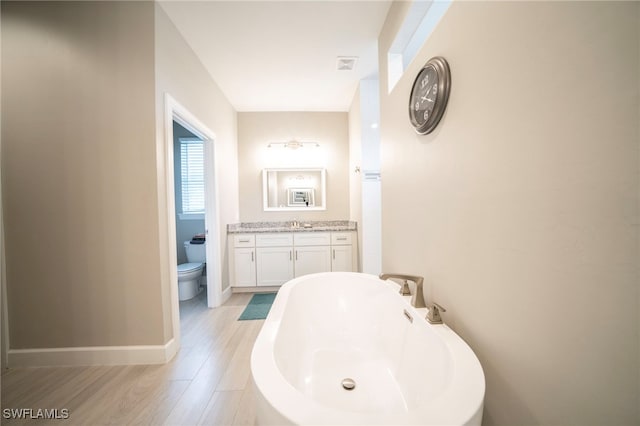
column 192, row 166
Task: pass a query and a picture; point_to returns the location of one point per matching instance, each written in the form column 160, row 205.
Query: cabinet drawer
column 244, row 240
column 282, row 239
column 341, row 238
column 312, row 239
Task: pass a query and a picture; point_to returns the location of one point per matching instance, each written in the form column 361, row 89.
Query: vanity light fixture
column 293, row 144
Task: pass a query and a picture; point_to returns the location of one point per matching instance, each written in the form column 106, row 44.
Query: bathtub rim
column 297, row 408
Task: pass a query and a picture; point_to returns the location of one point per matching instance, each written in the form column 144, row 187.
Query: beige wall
column 181, row 74
column 79, row 174
column 257, row 129
column 526, row 223
column 83, row 169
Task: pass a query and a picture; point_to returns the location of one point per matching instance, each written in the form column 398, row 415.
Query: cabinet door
column 245, row 267
column 274, row 265
column 341, row 259
column 312, row 259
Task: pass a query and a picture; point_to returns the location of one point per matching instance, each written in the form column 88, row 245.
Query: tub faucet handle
column 417, row 298
column 433, row 316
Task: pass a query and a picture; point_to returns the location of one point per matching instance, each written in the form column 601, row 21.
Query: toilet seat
column 184, row 268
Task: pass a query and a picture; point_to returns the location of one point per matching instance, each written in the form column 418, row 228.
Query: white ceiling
column 281, row 55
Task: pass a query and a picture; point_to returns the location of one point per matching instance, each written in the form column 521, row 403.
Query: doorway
column 189, row 180
column 176, row 113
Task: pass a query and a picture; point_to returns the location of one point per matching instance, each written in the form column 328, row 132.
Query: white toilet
column 189, row 274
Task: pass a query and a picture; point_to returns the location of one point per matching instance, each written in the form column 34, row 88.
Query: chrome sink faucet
column 417, row 299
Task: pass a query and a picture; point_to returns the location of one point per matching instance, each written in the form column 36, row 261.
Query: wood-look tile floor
column 207, row 382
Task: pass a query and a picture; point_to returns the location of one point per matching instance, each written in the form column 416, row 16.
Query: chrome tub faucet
column 417, row 298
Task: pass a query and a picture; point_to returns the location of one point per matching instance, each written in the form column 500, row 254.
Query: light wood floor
column 208, row 381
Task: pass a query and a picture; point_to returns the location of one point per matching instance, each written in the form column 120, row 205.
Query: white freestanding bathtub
column 324, row 328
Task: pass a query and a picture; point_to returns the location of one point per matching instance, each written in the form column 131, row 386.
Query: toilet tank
column 196, row 253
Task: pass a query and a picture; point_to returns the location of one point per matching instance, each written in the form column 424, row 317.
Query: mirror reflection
column 293, row 189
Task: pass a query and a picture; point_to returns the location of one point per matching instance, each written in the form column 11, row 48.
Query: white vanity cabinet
column 312, row 253
column 244, row 261
column 342, row 253
column 272, row 259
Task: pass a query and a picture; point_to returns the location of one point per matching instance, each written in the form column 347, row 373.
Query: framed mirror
column 294, row 189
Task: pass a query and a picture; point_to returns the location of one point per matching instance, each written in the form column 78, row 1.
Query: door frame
column 174, row 111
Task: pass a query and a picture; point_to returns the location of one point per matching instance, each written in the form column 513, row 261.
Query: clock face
column 429, row 95
column 424, row 95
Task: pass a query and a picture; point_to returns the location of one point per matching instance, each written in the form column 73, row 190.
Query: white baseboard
column 226, row 294
column 93, row 355
column 266, row 289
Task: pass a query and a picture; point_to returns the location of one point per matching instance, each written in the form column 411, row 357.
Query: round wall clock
column 429, row 95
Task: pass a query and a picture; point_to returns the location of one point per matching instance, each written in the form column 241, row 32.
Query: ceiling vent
column 346, row 63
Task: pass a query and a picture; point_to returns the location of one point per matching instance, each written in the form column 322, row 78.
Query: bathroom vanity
column 265, row 255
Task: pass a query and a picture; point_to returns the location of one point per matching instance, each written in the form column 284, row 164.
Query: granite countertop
column 315, row 226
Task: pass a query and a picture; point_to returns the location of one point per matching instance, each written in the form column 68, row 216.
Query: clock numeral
column 417, row 106
column 424, row 82
column 426, row 115
column 435, row 89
